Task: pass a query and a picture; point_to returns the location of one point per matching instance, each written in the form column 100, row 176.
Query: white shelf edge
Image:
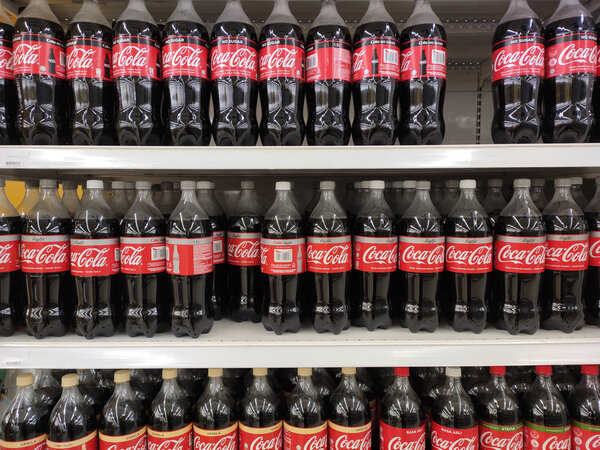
column 267, row 159
column 249, row 345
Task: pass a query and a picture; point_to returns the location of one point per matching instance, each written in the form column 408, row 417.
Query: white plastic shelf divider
column 249, row 345
column 263, row 160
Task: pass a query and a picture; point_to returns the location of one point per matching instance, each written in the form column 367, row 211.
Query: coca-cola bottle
column 46, row 263
column 422, row 77
column 324, row 384
column 451, row 196
column 260, row 421
column 494, row 202
column 571, row 62
column 469, row 251
column 500, row 423
column 39, row 65
column 72, row 419
column 12, row 295
column 519, row 260
column 420, row 263
column 538, row 194
column 186, row 76
column 168, row 200
column 243, row 257
column 563, row 380
column 119, row 202
column 137, row 74
column 192, row 382
column 234, row 76
column 401, row 419
column 215, row 424
column 122, row 421
column 376, row 77
column 143, row 262
column 584, row 409
column 453, row 417
column 520, row 379
column 170, row 417
column 32, row 194
column 517, row 73
column 145, row 386
column 8, row 87
column 95, row 265
column 566, row 261
column 281, row 75
column 592, row 283
column 92, row 89
column 375, row 260
column 93, row 394
column 70, row 199
column 189, row 265
column 47, row 388
column 329, row 261
column 218, row 222
column 24, row 423
column 283, row 261
column 577, row 192
column 545, row 414
column 349, row 414
column 328, row 75
column 305, row 423
column 473, row 378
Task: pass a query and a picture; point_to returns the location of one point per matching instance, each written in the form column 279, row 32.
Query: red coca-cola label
column 243, row 249
column 573, row 53
column 500, row 437
column 95, row 257
column 38, row 54
column 135, row 56
column 519, row 56
column 469, row 255
column 567, row 252
column 133, row 441
column 349, row 438
column 185, row 56
column 37, row 443
column 295, row 438
column 594, row 244
column 329, row 254
column 536, row 437
column 584, row 436
column 10, row 256
column 393, row 438
column 6, row 60
column 444, row 438
column 219, row 247
column 281, row 58
column 223, row 439
column 233, row 57
column 44, row 254
column 328, row 60
column 283, row 256
column 89, row 442
column 423, row 58
column 143, row 255
column 520, row 254
column 421, row 254
column 89, row 58
column 189, row 256
column 269, row 438
column 376, row 57
column 181, row 439
column 375, row 254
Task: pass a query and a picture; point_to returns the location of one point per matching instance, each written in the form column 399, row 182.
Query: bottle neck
column 123, row 390
column 590, row 381
column 468, row 194
column 49, row 194
column 72, row 395
column 260, row 384
column 26, row 395
column 305, row 383
column 349, row 382
column 119, row 194
column 495, row 191
column 499, row 381
column 248, row 203
column 215, row 385
column 189, row 196
column 401, row 383
column 453, row 383
column 94, row 195
column 376, row 195
column 545, row 381
column 144, row 195
column 562, row 194
column 169, row 387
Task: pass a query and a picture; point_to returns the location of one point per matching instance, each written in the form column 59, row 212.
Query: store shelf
column 115, row 161
column 244, row 344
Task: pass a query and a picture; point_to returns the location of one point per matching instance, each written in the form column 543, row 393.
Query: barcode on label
column 312, row 62
column 159, row 253
column 217, row 246
column 283, row 256
column 438, row 57
column 390, row 56
column 117, row 254
column 63, row 59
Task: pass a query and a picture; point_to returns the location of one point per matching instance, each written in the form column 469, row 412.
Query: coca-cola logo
column 574, row 253
column 81, row 58
column 316, row 442
column 333, row 255
column 456, row 443
column 178, row 443
column 50, row 254
column 184, row 56
column 6, row 251
column 406, row 60
column 245, row 249
column 398, row 443
column 281, row 58
column 374, row 255
column 358, row 58
column 347, row 443
column 514, row 442
column 27, row 54
column 531, row 256
column 241, row 58
column 132, row 256
column 476, row 255
column 140, row 444
column 6, row 59
column 224, row 443
column 595, row 249
column 132, row 56
column 556, row 443
column 575, row 54
column 260, row 443
column 593, row 443
column 531, row 56
column 426, row 257
column 90, row 258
